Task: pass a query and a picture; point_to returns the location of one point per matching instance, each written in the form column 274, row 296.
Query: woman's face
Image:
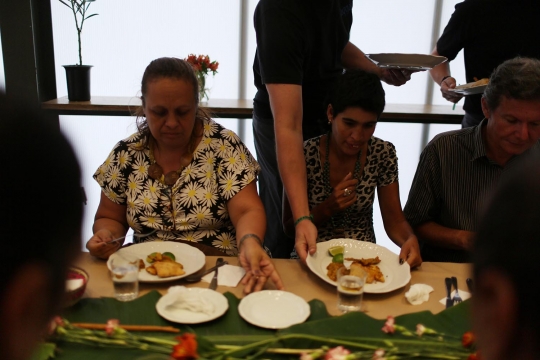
column 352, row 128
column 170, row 108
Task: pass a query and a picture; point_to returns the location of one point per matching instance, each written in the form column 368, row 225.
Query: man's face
column 513, row 127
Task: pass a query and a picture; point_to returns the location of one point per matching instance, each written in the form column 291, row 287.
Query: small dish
column 183, row 316
column 406, row 61
column 469, row 90
column 273, row 309
column 76, row 281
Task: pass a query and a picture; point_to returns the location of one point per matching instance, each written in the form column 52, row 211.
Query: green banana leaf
column 231, row 329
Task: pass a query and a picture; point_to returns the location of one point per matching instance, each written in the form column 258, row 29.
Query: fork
column 134, row 235
column 457, row 299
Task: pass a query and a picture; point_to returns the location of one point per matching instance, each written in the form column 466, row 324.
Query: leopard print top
column 380, row 169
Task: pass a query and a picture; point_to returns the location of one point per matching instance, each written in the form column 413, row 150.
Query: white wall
column 128, row 34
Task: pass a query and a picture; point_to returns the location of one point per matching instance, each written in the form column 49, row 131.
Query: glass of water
column 350, row 288
column 125, row 277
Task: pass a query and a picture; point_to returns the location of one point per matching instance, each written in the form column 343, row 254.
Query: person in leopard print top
column 348, row 164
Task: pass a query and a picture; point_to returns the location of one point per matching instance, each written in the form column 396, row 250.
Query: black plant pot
column 78, row 82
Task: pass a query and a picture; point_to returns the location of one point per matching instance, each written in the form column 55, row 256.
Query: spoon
column 198, row 277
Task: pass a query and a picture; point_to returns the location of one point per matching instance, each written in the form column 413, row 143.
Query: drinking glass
column 350, row 288
column 125, row 277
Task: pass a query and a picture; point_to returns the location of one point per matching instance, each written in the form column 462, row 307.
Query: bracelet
column 444, row 78
column 301, row 218
column 248, row 236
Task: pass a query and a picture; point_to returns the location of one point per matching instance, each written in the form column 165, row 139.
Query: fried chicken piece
column 141, row 264
column 333, row 269
column 365, row 262
column 151, row 270
column 168, row 268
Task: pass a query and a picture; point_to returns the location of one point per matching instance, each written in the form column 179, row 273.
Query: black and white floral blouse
column 221, row 167
column 380, row 169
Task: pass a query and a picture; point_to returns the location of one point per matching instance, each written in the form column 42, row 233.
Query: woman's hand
column 258, row 265
column 410, row 252
column 98, row 246
column 305, row 241
column 343, row 196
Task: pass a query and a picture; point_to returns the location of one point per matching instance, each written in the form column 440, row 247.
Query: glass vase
column 203, row 90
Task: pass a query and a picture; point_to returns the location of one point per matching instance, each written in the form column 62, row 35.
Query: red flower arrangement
column 202, row 66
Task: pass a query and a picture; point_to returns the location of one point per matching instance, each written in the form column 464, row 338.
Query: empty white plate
column 273, row 309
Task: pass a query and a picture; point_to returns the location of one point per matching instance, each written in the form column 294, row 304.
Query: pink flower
column 379, row 354
column 420, row 329
column 389, row 326
column 54, row 323
column 112, row 324
column 337, row 353
column 306, row 356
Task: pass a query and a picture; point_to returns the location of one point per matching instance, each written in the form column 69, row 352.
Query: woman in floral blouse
column 182, row 177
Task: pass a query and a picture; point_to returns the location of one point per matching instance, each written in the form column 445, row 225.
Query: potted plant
column 78, row 76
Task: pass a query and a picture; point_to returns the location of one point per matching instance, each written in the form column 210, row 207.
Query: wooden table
column 298, row 279
column 243, row 109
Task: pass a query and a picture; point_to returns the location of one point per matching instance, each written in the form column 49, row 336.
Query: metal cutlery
column 213, row 283
column 198, row 277
column 449, row 300
column 457, row 299
column 134, row 235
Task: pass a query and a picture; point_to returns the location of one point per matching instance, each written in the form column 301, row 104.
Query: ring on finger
column 346, row 192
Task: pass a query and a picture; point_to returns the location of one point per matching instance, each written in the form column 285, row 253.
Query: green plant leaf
column 65, row 4
column 88, row 17
column 44, row 351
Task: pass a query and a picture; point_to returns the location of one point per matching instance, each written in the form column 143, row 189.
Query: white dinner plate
column 396, row 275
column 469, row 90
column 406, row 61
column 190, row 257
column 183, row 316
column 273, row 309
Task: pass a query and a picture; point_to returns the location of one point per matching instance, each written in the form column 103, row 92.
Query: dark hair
column 357, row 88
column 42, row 205
column 508, row 239
column 517, row 78
column 171, row 68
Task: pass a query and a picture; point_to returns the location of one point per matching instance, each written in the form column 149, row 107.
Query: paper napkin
column 462, row 293
column 418, row 293
column 182, row 299
column 228, row 275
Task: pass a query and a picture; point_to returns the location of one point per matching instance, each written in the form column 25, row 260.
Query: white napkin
column 228, row 275
column 462, row 293
column 418, row 293
column 183, row 299
column 73, row 284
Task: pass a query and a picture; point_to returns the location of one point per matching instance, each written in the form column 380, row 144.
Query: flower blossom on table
column 379, row 354
column 202, row 64
column 186, row 349
column 337, row 353
column 389, row 325
column 468, row 339
column 421, row 330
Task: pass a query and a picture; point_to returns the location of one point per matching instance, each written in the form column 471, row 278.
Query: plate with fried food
column 162, row 261
column 385, row 273
column 476, row 87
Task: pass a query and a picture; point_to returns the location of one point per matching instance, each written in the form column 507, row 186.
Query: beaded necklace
column 339, row 223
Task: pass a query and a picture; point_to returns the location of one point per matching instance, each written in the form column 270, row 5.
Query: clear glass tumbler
column 350, row 288
column 125, row 277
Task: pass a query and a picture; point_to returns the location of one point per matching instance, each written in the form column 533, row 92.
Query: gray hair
column 517, row 78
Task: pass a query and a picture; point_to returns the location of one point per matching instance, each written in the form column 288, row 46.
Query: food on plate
column 333, row 268
column 334, row 250
column 142, row 265
column 369, row 265
column 476, row 83
column 338, row 258
column 168, row 268
column 164, row 265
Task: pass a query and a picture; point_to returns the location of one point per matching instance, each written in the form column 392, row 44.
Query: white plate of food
column 406, row 61
column 274, row 309
column 192, row 306
column 395, row 275
column 476, row 87
column 191, row 258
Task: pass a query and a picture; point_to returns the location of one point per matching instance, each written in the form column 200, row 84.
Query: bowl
column 75, row 288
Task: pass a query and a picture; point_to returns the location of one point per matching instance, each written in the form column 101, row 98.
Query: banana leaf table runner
column 231, row 329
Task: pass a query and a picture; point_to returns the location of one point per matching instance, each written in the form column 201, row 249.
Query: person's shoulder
column 453, row 139
column 313, row 142
column 135, row 142
column 383, row 145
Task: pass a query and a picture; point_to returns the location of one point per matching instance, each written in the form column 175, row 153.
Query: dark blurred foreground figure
column 40, row 218
column 506, row 268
